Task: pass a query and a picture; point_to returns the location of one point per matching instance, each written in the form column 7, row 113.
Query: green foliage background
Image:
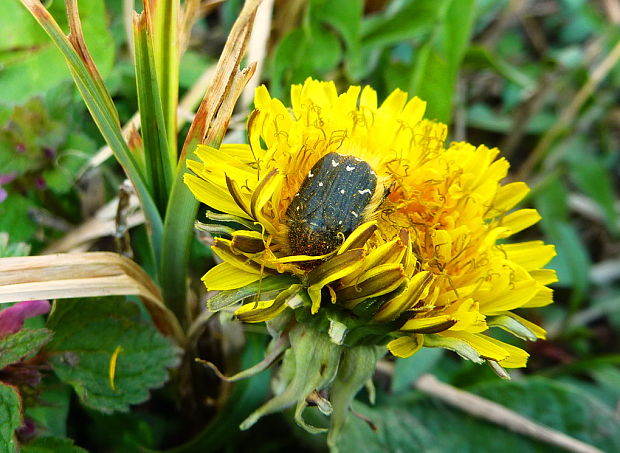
column 499, row 72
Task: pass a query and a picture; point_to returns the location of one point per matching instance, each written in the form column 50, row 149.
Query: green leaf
column 481, row 58
column 139, row 431
column 482, row 116
column 193, row 65
column 225, row 299
column 26, row 135
column 159, row 161
column 15, row 218
column 572, row 262
column 437, row 62
column 398, row 429
column 89, row 332
column 608, row 379
column 345, row 17
column 52, row 408
column 166, row 54
column 21, row 344
column 406, row 371
column 62, row 176
column 176, row 243
column 551, row 199
column 51, row 445
column 310, row 52
column 594, row 179
column 10, row 418
column 418, row 423
column 408, row 20
column 30, row 65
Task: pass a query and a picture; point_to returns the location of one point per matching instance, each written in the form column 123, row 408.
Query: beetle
column 331, row 203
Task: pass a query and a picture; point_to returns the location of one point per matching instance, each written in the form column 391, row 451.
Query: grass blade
column 165, row 14
column 213, row 116
column 156, row 153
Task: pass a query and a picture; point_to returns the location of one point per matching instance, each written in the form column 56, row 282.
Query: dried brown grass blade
column 225, row 82
column 102, row 224
column 257, row 49
column 66, row 276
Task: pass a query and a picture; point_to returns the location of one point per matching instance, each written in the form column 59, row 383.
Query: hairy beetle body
column 330, row 204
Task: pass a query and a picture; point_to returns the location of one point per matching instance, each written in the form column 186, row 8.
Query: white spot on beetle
column 340, row 222
column 355, row 214
column 350, row 168
column 310, row 174
column 362, row 192
column 334, row 163
column 357, row 159
column 342, row 191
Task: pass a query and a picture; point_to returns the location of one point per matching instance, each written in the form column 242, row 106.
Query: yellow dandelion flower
column 359, row 220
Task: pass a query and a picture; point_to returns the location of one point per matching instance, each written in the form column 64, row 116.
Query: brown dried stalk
column 498, row 414
column 214, row 111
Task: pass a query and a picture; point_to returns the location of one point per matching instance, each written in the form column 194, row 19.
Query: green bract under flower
column 359, row 229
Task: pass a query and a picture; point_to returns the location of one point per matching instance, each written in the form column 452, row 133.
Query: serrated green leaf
column 10, row 418
column 418, row 423
column 87, row 334
column 51, row 445
column 23, row 343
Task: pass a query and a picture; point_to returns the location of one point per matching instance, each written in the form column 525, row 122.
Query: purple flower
column 12, row 318
column 40, row 183
column 5, row 179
